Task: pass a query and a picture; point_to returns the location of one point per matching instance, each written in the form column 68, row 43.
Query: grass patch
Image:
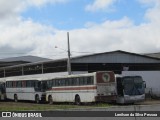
column 21, row 106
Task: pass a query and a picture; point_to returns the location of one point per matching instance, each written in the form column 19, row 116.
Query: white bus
column 25, row 89
column 95, row 87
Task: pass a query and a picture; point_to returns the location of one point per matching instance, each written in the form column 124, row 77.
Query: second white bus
column 25, row 89
column 95, row 87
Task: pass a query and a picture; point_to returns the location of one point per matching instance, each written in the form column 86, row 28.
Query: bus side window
column 85, row 80
column 66, row 82
column 23, row 84
column 72, row 81
column 28, row 84
column 50, row 83
column 19, row 84
column 89, row 80
column 14, row 84
column 75, row 81
column 57, row 83
column 53, row 83
column 33, row 84
column 81, row 82
column 7, row 85
column 63, row 82
column 69, row 81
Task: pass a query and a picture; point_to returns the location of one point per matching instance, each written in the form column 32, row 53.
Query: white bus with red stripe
column 91, row 87
column 102, row 86
column 24, row 88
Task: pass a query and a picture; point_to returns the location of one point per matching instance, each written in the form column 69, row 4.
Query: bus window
column 75, row 81
column 70, row 81
column 19, row 84
column 81, row 81
column 53, row 83
column 10, row 85
column 14, row 84
column 23, row 83
column 33, row 83
column 85, row 80
column 28, row 83
column 66, row 82
column 7, row 84
column 89, row 80
column 49, row 83
column 57, row 83
column 62, row 82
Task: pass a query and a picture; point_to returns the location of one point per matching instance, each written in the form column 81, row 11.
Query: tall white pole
column 69, row 54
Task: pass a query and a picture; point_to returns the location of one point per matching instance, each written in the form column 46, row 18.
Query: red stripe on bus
column 75, row 88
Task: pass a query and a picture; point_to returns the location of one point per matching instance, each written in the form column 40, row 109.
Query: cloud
column 39, row 3
column 153, row 12
column 100, row 5
column 14, row 8
column 18, row 35
column 149, row 2
column 27, row 37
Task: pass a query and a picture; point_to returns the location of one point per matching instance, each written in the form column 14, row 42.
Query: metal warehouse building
column 116, row 61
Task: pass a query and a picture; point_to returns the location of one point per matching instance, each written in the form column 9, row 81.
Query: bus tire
column 50, row 100
column 37, row 99
column 77, row 100
column 15, row 98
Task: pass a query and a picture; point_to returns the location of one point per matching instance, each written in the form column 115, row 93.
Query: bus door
column 2, row 91
column 120, row 86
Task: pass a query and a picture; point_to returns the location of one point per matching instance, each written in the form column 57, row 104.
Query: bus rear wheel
column 50, row 100
column 37, row 99
column 15, row 98
column 77, row 100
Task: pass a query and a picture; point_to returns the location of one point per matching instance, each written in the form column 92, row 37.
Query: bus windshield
column 133, row 85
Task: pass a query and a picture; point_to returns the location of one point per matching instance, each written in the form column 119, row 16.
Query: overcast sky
column 35, row 27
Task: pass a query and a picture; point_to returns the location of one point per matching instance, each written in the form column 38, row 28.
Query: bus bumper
column 136, row 98
column 111, row 98
column 130, row 99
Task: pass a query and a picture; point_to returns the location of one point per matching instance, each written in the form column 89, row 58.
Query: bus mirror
column 144, row 83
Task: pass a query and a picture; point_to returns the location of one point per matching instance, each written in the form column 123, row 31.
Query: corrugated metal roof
column 29, row 58
column 115, row 57
column 106, row 57
column 155, row 55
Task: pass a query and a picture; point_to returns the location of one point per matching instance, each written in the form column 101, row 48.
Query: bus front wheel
column 15, row 98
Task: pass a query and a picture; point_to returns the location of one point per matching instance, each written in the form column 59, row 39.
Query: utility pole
column 69, row 56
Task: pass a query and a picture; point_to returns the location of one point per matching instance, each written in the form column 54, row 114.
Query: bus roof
column 48, row 76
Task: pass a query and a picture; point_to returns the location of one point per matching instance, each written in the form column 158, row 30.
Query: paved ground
column 148, row 105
